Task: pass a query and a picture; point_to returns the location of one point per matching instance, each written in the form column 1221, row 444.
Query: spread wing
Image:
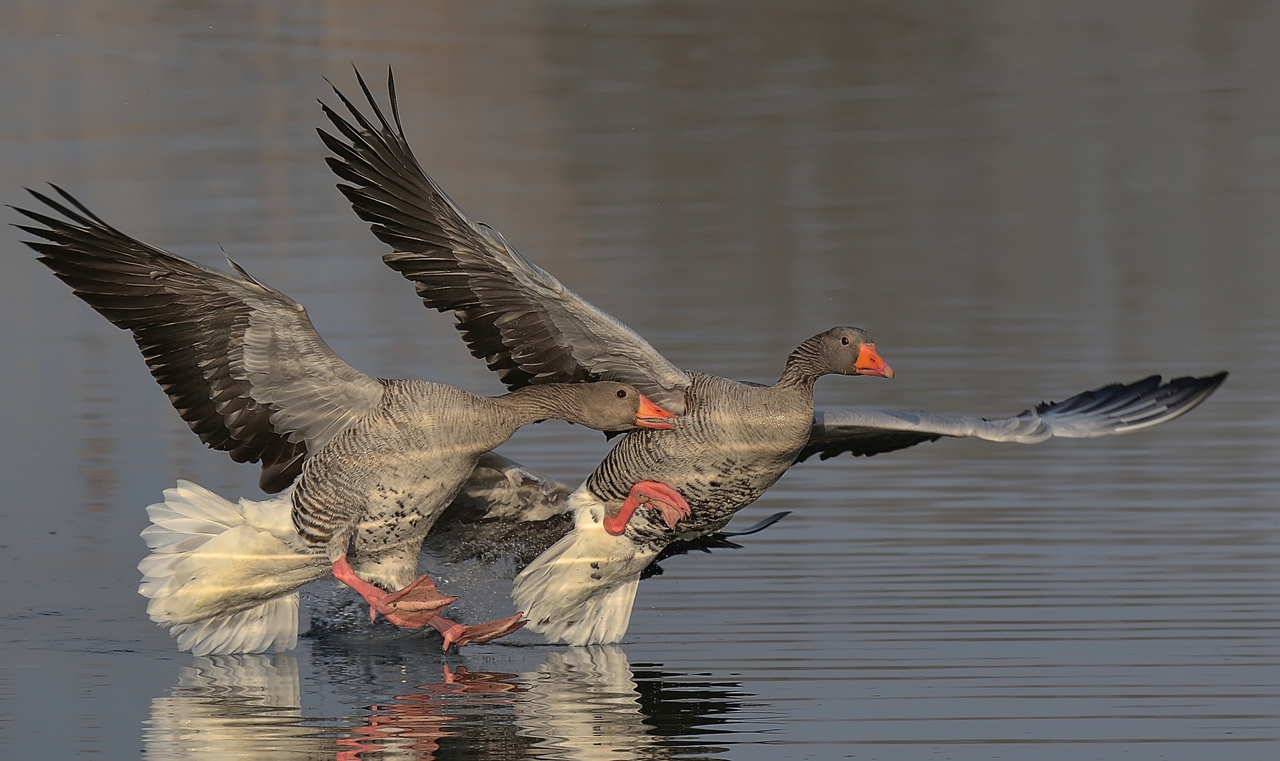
column 507, row 511
column 519, row 319
column 239, row 360
column 1113, row 409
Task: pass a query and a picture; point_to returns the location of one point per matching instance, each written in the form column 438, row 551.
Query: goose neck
column 533, row 404
column 804, row 366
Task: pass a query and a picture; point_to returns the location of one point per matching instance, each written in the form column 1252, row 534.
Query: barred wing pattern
column 1117, row 408
column 239, row 360
column 526, row 325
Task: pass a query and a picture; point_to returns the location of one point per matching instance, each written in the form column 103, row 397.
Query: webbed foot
column 653, row 494
column 461, row 634
column 412, row 607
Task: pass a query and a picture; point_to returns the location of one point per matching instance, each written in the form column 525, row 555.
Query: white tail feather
column 273, row 625
column 582, row 589
column 223, row 577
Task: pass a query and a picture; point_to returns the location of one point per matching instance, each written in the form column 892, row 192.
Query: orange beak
column 869, row 363
column 651, row 415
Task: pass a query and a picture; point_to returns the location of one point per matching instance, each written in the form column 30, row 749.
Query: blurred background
column 1019, row 200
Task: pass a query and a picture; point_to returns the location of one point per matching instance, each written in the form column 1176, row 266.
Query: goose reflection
column 581, row 703
column 433, row 720
column 587, row 703
column 233, row 706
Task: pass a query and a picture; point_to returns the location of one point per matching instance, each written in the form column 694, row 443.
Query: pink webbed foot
column 656, row 495
column 412, row 607
column 461, row 634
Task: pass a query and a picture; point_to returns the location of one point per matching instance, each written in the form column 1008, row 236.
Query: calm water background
column 1020, row 200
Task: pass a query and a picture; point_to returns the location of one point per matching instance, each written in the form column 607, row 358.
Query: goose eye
column 622, row 393
column 844, row 340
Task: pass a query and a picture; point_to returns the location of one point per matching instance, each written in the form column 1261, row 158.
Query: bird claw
column 419, row 605
column 414, row 606
column 653, row 494
column 456, row 634
column 411, row 607
column 673, row 509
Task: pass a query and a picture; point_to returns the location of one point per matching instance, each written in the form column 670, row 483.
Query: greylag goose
column 732, row 441
column 366, row 464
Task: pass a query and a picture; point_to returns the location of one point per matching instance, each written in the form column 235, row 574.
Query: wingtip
column 1201, row 386
column 1209, row 384
column 1182, row 395
column 759, row 526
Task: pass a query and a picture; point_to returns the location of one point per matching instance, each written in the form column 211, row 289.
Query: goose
column 505, row 515
column 363, row 466
column 731, row 440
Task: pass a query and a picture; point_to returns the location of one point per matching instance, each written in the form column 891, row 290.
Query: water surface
column 1019, row 200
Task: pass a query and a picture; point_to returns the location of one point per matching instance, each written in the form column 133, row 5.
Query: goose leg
column 656, row 495
column 461, row 634
column 412, row 607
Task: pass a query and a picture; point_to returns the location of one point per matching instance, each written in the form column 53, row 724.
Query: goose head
column 611, row 406
column 840, row 350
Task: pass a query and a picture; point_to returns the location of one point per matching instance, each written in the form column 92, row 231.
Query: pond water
column 1020, row 201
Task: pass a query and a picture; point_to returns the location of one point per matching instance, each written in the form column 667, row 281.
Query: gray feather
column 526, row 325
column 239, row 360
column 1114, row 409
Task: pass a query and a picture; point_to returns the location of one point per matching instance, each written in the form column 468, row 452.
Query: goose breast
column 733, row 442
column 396, row 470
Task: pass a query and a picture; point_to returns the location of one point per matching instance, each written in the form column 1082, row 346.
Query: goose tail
column 223, row 577
column 581, row 590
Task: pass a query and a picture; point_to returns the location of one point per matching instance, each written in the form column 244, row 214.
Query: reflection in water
column 417, row 725
column 588, row 703
column 582, row 703
column 233, row 706
column 1020, row 199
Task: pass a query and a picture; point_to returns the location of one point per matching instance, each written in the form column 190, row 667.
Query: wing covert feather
column 240, row 361
column 518, row 318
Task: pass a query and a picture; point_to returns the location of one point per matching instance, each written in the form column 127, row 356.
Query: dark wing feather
column 1113, row 409
column 707, row 543
column 506, row 511
column 519, row 319
column 240, row 361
